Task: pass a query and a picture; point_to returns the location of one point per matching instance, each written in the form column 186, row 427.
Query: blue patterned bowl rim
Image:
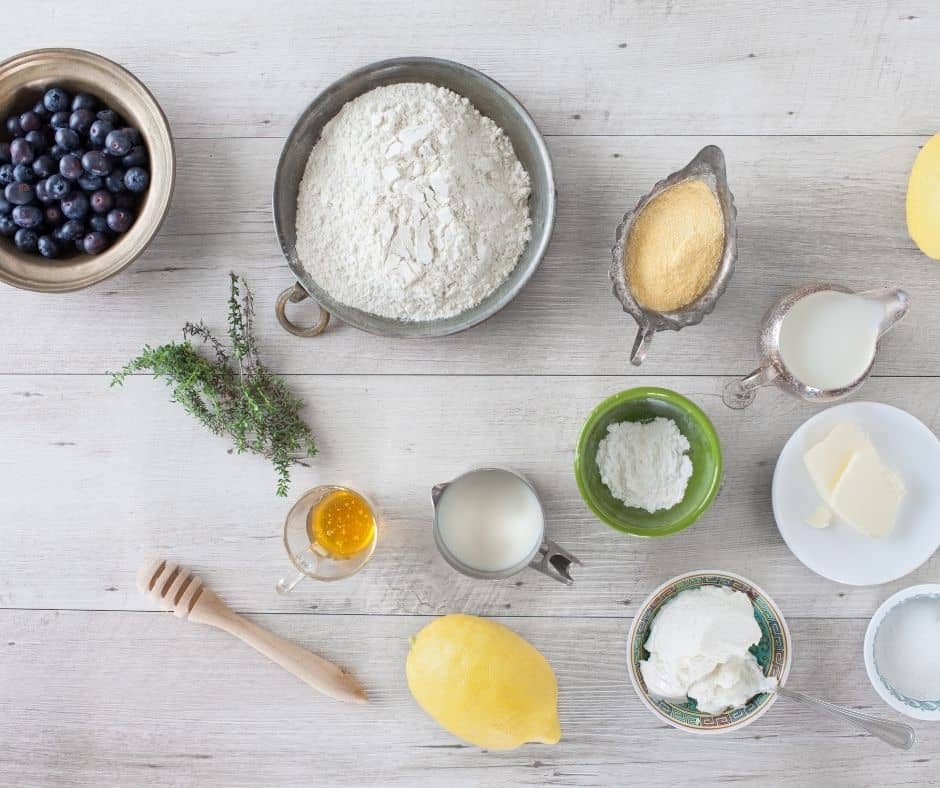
column 774, row 653
column 922, row 709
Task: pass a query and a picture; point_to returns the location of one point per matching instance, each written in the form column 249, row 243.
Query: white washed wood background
column 820, row 108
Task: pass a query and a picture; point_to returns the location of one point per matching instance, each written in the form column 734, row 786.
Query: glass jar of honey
column 329, row 534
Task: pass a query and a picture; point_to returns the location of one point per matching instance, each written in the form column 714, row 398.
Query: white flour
column 413, row 205
column 645, row 465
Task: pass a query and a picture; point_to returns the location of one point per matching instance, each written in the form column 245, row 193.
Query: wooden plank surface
column 139, row 703
column 124, row 475
column 820, row 108
column 225, row 68
column 829, row 208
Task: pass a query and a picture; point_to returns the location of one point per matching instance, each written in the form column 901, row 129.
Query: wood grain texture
column 819, row 208
column 116, row 477
column 820, row 108
column 224, row 68
column 182, row 719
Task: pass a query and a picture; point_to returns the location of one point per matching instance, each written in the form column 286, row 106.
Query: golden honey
column 342, row 523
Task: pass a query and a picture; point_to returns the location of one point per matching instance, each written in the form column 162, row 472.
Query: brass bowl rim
column 147, row 234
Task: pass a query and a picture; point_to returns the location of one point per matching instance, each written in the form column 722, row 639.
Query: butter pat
column 827, row 460
column 868, row 494
column 853, row 482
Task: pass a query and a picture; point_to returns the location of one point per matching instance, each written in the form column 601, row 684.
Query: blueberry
column 101, row 201
column 19, row 193
column 44, row 166
column 7, row 225
column 53, row 215
column 4, row 152
column 21, row 152
column 118, row 143
column 72, row 230
column 47, row 247
column 136, row 157
column 75, row 205
column 80, row 120
column 136, row 179
column 71, row 166
column 27, row 216
column 67, row 139
column 6, row 174
column 109, row 116
column 37, row 141
column 96, row 163
column 23, row 173
column 59, row 120
column 120, row 220
column 56, row 152
column 90, row 183
column 30, row 121
column 55, row 99
column 42, row 193
column 115, row 181
column 13, row 126
column 98, row 131
column 5, row 206
column 98, row 223
column 58, row 186
column 26, row 240
column 83, row 101
column 93, row 243
column 40, row 109
column 124, row 200
column 131, row 132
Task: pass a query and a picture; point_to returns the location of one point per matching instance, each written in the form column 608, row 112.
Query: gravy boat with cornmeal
column 708, row 166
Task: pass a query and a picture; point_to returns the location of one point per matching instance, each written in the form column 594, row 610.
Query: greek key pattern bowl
column 773, row 653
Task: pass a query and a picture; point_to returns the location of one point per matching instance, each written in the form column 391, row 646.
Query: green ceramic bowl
column 643, row 404
column 773, row 653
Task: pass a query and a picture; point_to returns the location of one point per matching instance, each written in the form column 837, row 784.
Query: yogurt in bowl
column 707, row 650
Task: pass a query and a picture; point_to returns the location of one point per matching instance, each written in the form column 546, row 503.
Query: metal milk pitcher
column 740, row 393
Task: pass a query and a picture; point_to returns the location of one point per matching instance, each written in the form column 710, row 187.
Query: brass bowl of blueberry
column 86, row 169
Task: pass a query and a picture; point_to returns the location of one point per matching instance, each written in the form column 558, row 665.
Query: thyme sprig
column 232, row 394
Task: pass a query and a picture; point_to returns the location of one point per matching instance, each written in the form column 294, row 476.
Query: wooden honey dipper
column 180, row 591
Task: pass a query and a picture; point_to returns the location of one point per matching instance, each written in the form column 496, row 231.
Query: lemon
column 483, row 683
column 923, row 199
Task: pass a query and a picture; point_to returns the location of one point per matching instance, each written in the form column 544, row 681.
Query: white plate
column 839, row 552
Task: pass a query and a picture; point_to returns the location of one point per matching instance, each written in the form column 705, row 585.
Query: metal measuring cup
column 546, row 557
column 708, row 166
column 739, row 394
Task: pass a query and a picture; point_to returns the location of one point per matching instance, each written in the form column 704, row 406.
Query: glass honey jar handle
column 287, row 584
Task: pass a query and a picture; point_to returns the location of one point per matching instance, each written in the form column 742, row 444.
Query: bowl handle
column 641, row 344
column 295, row 294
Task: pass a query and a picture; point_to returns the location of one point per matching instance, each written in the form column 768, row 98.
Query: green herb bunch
column 232, row 394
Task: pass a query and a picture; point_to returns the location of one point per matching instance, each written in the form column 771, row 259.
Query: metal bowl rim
column 384, row 326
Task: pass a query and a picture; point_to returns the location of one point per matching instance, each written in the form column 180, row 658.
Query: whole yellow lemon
column 923, row 199
column 483, row 683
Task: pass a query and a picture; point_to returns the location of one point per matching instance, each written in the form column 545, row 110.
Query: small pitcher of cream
column 489, row 524
column 675, row 251
column 819, row 342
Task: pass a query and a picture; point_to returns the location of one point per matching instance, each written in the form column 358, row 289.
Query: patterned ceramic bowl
column 878, row 638
column 773, row 653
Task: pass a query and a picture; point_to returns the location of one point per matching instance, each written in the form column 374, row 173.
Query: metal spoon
column 897, row 734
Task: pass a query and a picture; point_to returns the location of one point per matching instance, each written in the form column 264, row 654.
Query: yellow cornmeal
column 675, row 246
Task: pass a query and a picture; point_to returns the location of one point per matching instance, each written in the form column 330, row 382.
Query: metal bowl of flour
column 492, row 100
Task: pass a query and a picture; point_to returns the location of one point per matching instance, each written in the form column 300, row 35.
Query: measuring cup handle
column 739, row 394
column 641, row 344
column 555, row 562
